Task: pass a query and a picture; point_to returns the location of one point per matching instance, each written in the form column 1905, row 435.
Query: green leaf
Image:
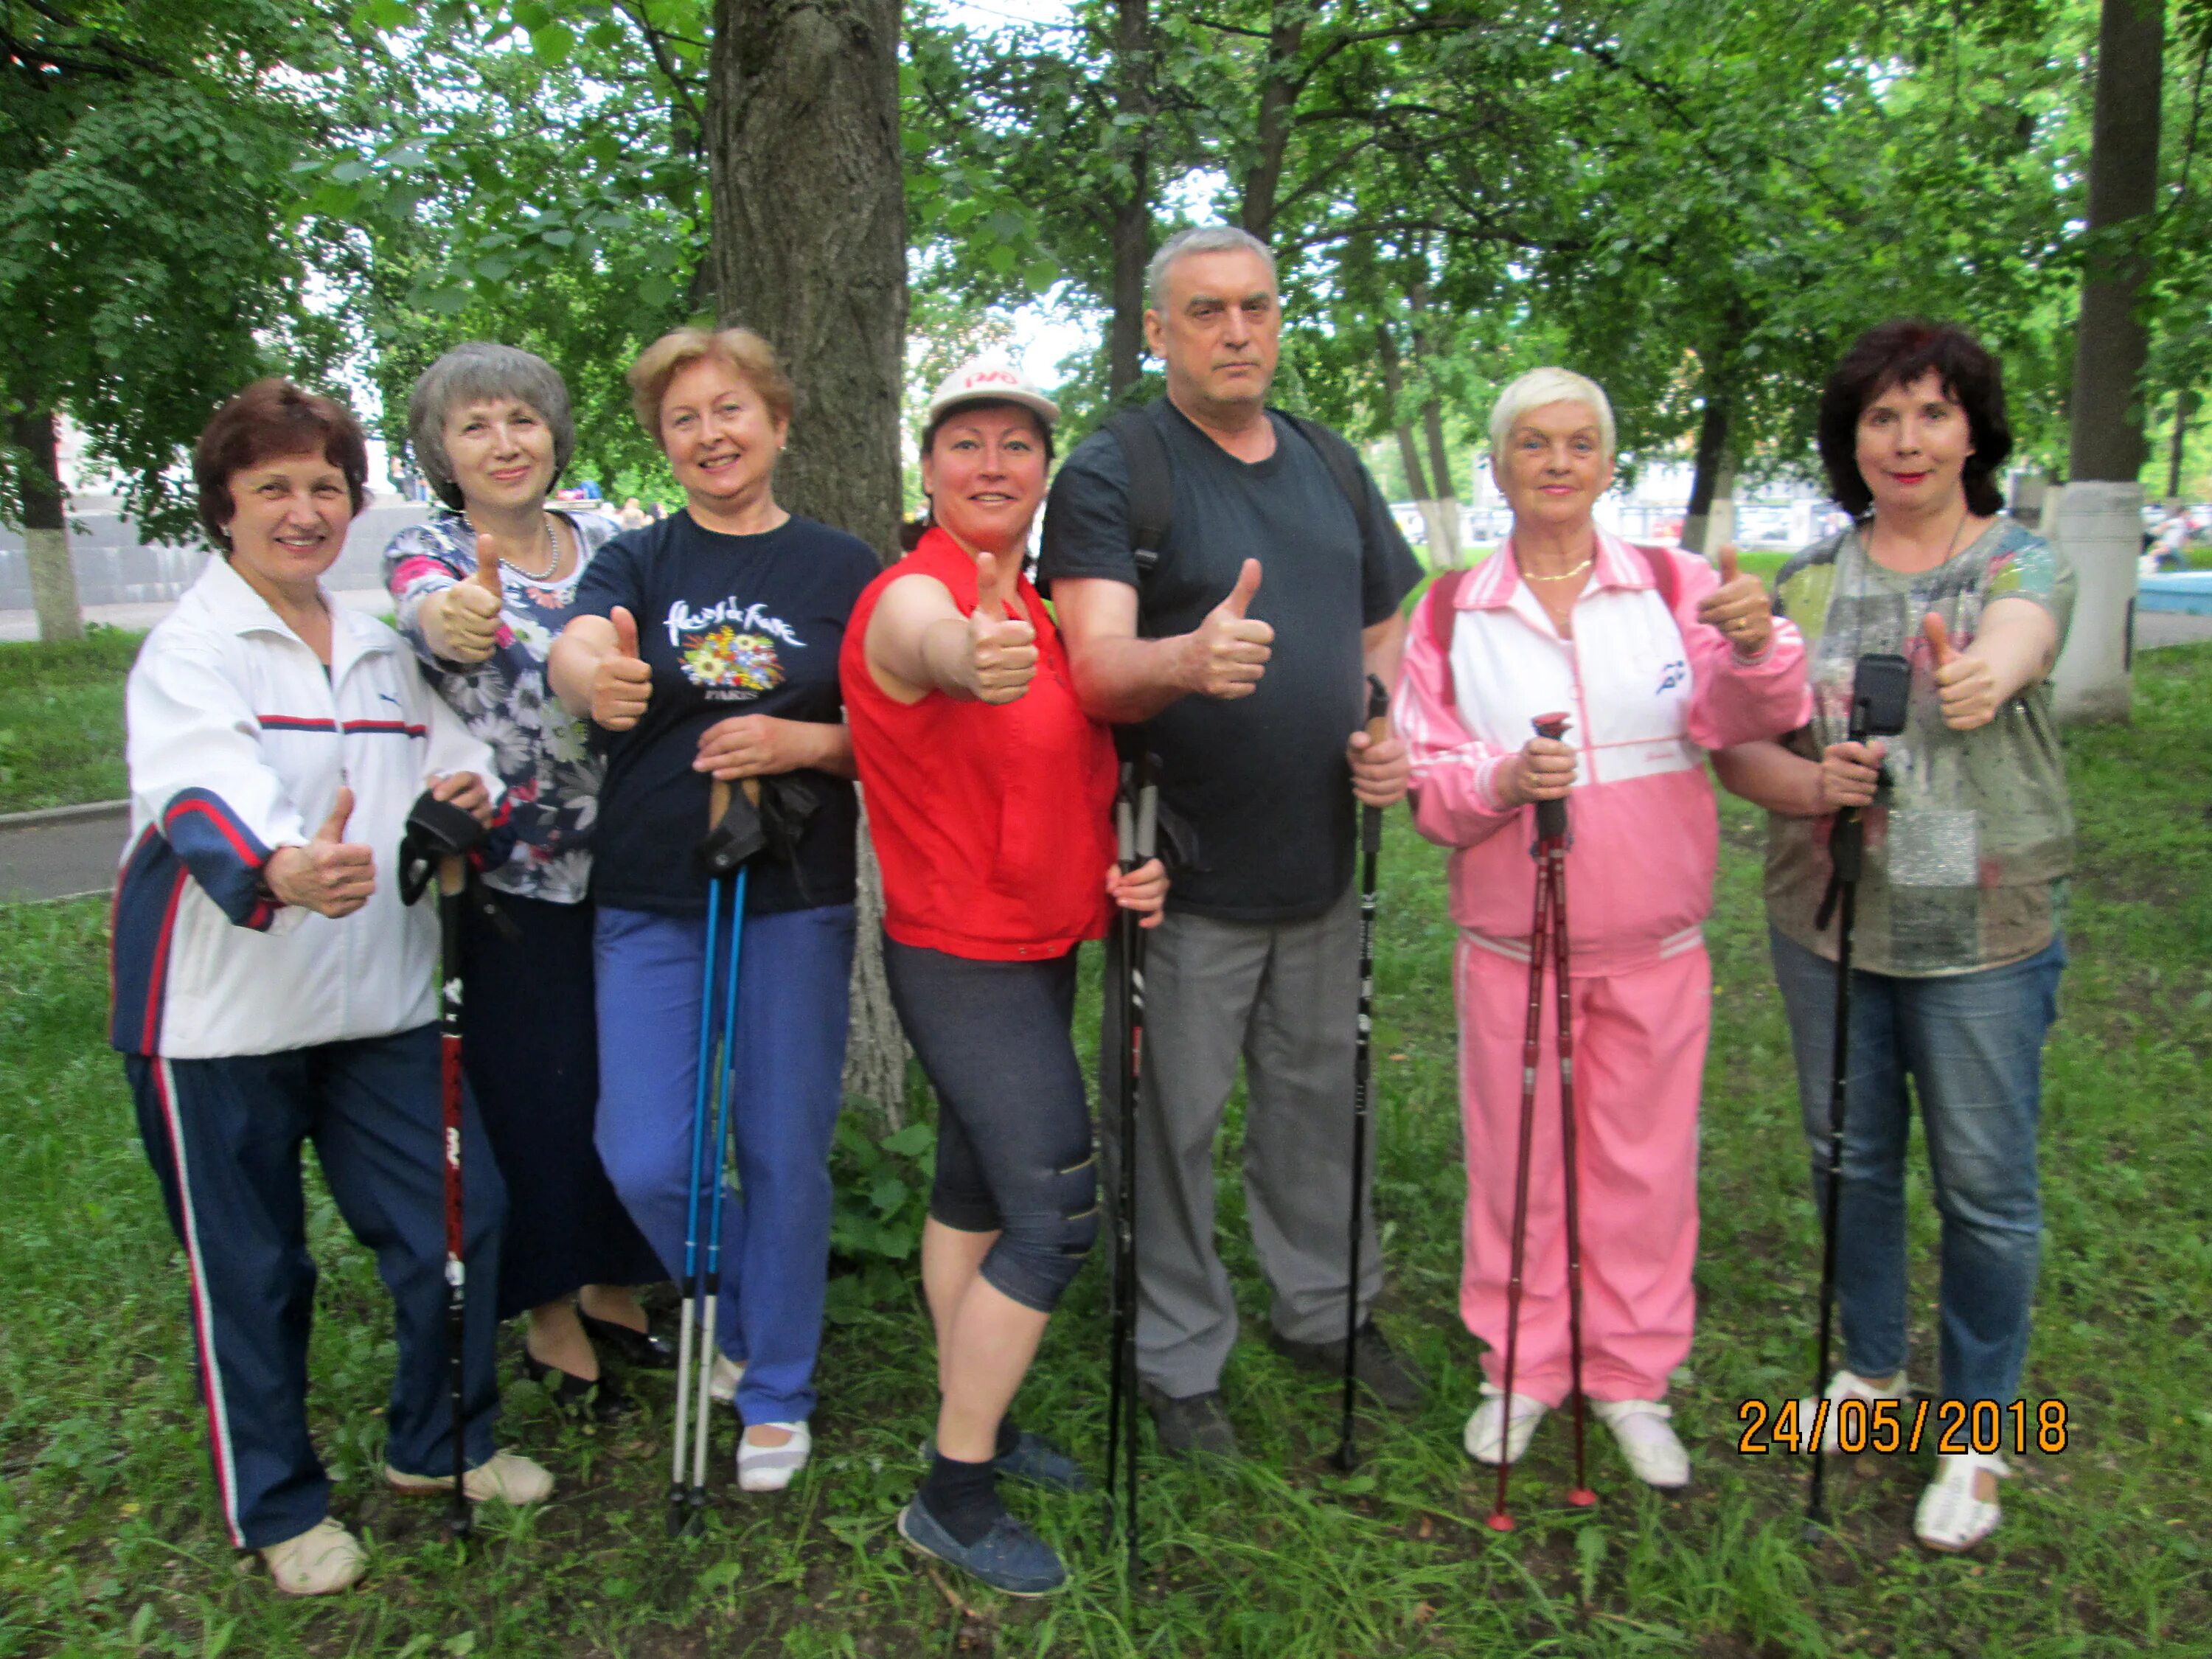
column 911, row 1141
column 656, row 290
column 552, row 44
column 889, row 1194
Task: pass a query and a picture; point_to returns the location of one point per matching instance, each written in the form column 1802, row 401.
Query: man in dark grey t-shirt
column 1244, row 654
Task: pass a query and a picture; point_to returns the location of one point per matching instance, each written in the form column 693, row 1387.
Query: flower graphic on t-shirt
column 725, row 657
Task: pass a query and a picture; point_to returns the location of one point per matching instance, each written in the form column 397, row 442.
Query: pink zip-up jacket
column 1647, row 694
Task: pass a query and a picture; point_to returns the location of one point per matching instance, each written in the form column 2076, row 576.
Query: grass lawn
column 109, row 1542
column 61, row 719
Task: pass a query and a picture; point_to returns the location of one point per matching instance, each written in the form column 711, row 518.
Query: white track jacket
column 237, row 740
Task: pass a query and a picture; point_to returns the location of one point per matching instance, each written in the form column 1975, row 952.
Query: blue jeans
column 793, row 974
column 1972, row 1045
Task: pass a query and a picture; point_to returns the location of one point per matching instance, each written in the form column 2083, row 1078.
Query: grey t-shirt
column 1262, row 780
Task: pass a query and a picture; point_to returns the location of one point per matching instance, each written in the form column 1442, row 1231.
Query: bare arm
column 1767, row 774
column 2015, row 648
column 594, row 669
column 1122, row 678
column 918, row 641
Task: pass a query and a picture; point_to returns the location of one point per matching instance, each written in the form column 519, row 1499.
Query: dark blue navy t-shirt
column 730, row 625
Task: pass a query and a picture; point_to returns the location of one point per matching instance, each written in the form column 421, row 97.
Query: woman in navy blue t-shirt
column 705, row 646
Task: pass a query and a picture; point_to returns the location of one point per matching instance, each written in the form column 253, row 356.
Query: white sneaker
column 1486, row 1426
column 1960, row 1508
column 508, row 1477
column 722, row 1385
column 771, row 1469
column 1647, row 1440
column 321, row 1561
column 1844, row 1385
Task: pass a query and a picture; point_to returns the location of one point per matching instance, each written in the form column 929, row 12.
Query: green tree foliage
column 147, row 265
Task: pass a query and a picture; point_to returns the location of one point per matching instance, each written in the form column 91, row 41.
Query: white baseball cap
column 991, row 381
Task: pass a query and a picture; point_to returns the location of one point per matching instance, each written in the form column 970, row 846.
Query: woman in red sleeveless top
column 989, row 795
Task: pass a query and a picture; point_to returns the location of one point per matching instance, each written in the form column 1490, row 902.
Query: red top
column 992, row 823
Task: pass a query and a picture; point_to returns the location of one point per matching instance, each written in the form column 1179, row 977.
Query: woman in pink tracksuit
column 1655, row 660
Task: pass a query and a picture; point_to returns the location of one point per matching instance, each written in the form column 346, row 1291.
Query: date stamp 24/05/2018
column 1794, row 1427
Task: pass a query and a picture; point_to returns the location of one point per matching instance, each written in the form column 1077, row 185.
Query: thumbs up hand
column 1738, row 608
column 330, row 875
column 622, row 683
column 461, row 623
column 1228, row 653
column 1965, row 685
column 1002, row 657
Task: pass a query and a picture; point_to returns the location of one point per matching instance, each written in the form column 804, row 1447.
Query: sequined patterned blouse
column 1970, row 843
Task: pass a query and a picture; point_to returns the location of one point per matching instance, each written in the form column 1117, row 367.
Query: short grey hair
column 1201, row 239
column 1539, row 386
column 480, row 371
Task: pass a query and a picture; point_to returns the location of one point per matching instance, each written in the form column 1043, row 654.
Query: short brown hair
column 750, row 356
column 272, row 418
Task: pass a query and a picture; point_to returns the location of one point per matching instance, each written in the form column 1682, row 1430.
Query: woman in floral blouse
column 482, row 590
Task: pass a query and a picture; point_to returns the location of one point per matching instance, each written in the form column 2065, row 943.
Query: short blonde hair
column 1539, row 386
column 746, row 353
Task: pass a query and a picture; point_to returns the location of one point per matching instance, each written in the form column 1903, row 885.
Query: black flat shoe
column 640, row 1348
column 602, row 1398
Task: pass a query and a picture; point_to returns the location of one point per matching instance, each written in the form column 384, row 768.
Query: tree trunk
column 1132, row 213
column 2102, row 512
column 2184, row 405
column 46, row 530
column 1714, row 482
column 808, row 90
column 1263, row 182
column 1438, row 545
column 1449, row 553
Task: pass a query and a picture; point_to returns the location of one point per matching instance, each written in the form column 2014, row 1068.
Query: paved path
column 64, row 853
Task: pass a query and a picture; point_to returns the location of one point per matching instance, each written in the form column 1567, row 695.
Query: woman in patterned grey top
column 1957, row 948
column 482, row 590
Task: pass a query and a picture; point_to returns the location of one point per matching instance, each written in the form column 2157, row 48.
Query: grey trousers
column 1286, row 998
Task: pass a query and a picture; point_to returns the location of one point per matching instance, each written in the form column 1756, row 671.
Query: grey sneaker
column 1195, row 1424
column 1379, row 1369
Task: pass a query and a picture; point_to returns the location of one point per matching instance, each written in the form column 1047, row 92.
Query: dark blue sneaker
column 1009, row 1557
column 1034, row 1461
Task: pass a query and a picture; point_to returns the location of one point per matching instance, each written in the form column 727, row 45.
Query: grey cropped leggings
column 1013, row 1129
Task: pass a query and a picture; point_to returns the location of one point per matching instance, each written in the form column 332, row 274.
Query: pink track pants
column 1639, row 1064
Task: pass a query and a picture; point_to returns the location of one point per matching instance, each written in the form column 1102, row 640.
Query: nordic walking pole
column 684, row 1352
column 1551, row 837
column 725, row 1088
column 1549, row 823
column 1136, row 821
column 1370, row 846
column 1881, row 690
column 453, row 877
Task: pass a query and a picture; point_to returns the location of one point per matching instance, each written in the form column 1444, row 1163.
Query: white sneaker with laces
column 1960, row 1508
column 1647, row 1440
column 321, row 1561
column 1486, row 1426
column 771, row 1469
column 1845, row 1385
column 722, row 1384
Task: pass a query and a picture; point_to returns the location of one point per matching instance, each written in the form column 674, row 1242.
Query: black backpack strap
column 1151, row 484
column 1343, row 463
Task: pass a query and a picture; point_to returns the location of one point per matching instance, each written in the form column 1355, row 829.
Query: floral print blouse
column 543, row 755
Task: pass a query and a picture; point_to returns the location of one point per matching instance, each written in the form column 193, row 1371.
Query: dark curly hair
column 1896, row 352
column 272, row 418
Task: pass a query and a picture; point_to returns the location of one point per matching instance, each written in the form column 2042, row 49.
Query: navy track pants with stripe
column 224, row 1138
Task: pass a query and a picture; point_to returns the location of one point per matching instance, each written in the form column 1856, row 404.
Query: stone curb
column 96, row 809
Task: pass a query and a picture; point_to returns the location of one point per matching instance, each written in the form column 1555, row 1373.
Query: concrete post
column 2098, row 527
